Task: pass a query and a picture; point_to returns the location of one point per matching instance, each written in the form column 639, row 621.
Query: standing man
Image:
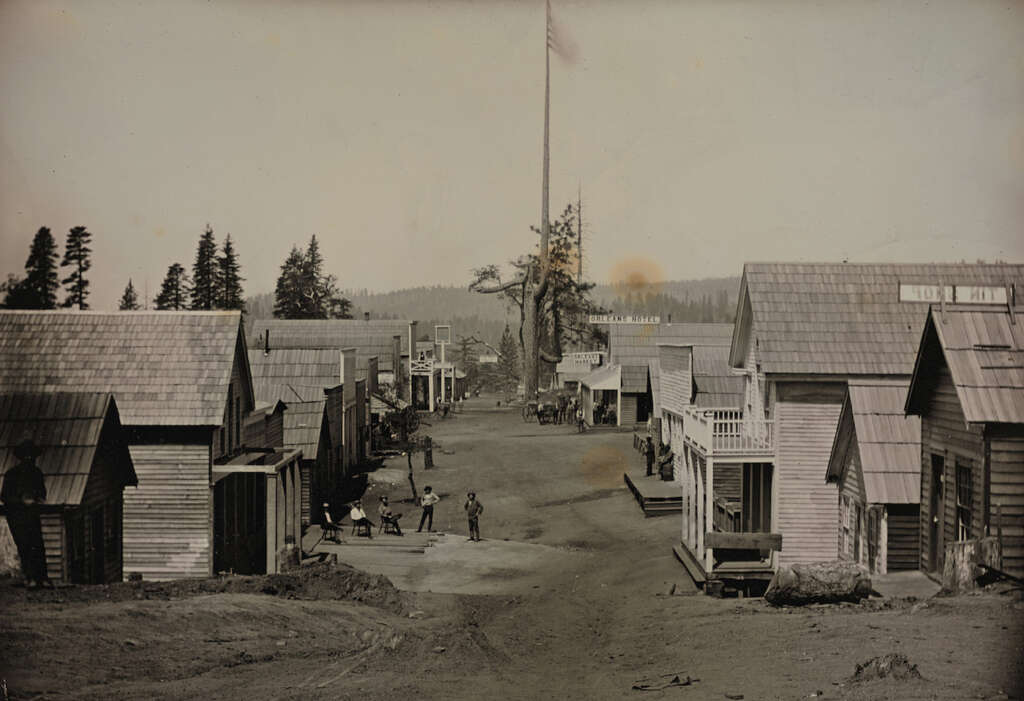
column 580, row 426
column 23, row 491
column 665, row 461
column 473, row 510
column 427, row 501
column 649, row 455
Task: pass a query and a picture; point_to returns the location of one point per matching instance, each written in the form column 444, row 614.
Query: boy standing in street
column 473, row 510
column 427, row 501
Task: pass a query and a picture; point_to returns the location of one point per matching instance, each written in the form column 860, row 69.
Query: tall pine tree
column 205, row 273
column 77, row 256
column 230, row 279
column 508, row 361
column 288, row 291
column 40, row 284
column 174, row 290
column 130, row 298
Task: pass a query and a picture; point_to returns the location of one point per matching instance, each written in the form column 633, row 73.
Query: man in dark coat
column 649, row 455
column 665, row 462
column 24, row 489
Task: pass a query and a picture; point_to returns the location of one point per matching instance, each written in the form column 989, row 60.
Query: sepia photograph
column 590, row 350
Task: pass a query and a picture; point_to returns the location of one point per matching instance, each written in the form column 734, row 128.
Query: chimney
column 266, row 342
column 366, row 316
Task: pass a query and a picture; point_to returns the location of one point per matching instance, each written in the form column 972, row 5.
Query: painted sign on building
column 961, row 294
column 624, row 319
column 584, row 357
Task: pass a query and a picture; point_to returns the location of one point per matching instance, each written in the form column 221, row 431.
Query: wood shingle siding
column 168, row 517
column 163, row 368
column 806, row 508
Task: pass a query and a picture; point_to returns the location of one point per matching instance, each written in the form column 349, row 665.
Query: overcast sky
column 407, row 135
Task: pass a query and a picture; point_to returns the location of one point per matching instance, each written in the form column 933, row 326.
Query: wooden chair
column 389, row 525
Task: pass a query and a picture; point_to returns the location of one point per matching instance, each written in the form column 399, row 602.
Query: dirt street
column 567, row 597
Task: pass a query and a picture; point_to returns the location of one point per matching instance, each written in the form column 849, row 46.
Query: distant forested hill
column 470, row 313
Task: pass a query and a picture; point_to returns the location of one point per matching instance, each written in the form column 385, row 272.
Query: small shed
column 86, row 466
column 968, row 389
column 876, row 461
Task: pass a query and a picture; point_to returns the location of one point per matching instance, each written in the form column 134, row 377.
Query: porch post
column 271, row 492
column 709, row 508
column 430, row 387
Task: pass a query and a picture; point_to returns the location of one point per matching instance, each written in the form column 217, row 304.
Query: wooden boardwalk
column 385, row 554
column 655, row 496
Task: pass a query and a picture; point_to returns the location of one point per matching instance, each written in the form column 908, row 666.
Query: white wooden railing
column 422, row 367
column 727, row 432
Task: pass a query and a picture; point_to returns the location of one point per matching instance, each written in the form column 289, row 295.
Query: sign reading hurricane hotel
column 961, row 294
column 624, row 319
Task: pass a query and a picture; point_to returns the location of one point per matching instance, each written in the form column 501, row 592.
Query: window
column 964, row 498
column 844, row 525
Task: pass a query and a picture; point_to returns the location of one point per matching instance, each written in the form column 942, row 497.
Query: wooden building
column 183, row 388
column 86, row 466
column 322, row 418
column 387, row 340
column 968, row 389
column 876, row 463
column 264, row 426
column 802, row 331
column 633, row 349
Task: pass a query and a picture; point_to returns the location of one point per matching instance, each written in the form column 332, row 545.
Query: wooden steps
column 692, row 565
column 655, row 496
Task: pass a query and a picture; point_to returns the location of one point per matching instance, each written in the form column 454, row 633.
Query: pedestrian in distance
column 473, row 510
column 427, row 501
column 24, row 490
column 580, row 426
column 649, row 456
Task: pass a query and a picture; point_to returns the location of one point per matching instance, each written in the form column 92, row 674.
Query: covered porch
column 727, row 488
column 600, row 396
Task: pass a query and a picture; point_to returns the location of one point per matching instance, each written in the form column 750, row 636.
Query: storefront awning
column 605, row 377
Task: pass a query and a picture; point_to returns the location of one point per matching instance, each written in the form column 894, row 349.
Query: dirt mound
column 320, row 581
column 894, row 666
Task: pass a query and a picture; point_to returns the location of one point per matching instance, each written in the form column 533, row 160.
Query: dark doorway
column 97, row 562
column 936, row 552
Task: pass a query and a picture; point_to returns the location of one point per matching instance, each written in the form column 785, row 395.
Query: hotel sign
column 624, row 319
column 961, row 294
column 586, row 358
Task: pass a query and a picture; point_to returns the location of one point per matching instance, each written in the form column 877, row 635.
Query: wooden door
column 936, row 514
column 97, row 564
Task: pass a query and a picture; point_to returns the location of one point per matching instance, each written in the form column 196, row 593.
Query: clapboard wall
column 628, row 417
column 903, row 534
column 168, row 516
column 945, row 433
column 806, row 507
column 1006, row 484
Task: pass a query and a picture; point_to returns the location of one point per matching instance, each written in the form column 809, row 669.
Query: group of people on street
column 664, row 457
column 473, row 508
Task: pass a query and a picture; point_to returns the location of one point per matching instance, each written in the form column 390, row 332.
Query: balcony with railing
column 727, row 433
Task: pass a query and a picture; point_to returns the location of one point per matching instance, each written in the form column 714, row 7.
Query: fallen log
column 818, row 583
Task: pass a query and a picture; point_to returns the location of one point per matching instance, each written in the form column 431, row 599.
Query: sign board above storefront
column 624, row 319
column 583, row 358
column 959, row 294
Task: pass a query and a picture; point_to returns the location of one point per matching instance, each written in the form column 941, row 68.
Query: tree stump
column 818, row 583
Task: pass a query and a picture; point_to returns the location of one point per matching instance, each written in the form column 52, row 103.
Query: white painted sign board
column 624, row 319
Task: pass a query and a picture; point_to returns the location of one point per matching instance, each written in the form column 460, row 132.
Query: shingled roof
column 888, row 442
column 164, row 368
column 294, row 373
column 984, row 350
column 715, row 383
column 844, row 318
column 68, row 426
column 373, row 338
column 303, row 422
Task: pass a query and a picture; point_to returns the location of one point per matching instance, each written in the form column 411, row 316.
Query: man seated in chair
column 388, row 518
column 359, row 520
column 331, row 528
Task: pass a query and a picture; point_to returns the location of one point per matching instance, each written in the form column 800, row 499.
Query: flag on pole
column 560, row 42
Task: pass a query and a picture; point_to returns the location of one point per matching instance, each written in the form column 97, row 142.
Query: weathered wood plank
column 743, row 541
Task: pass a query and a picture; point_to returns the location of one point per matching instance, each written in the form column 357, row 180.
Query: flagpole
column 547, row 118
